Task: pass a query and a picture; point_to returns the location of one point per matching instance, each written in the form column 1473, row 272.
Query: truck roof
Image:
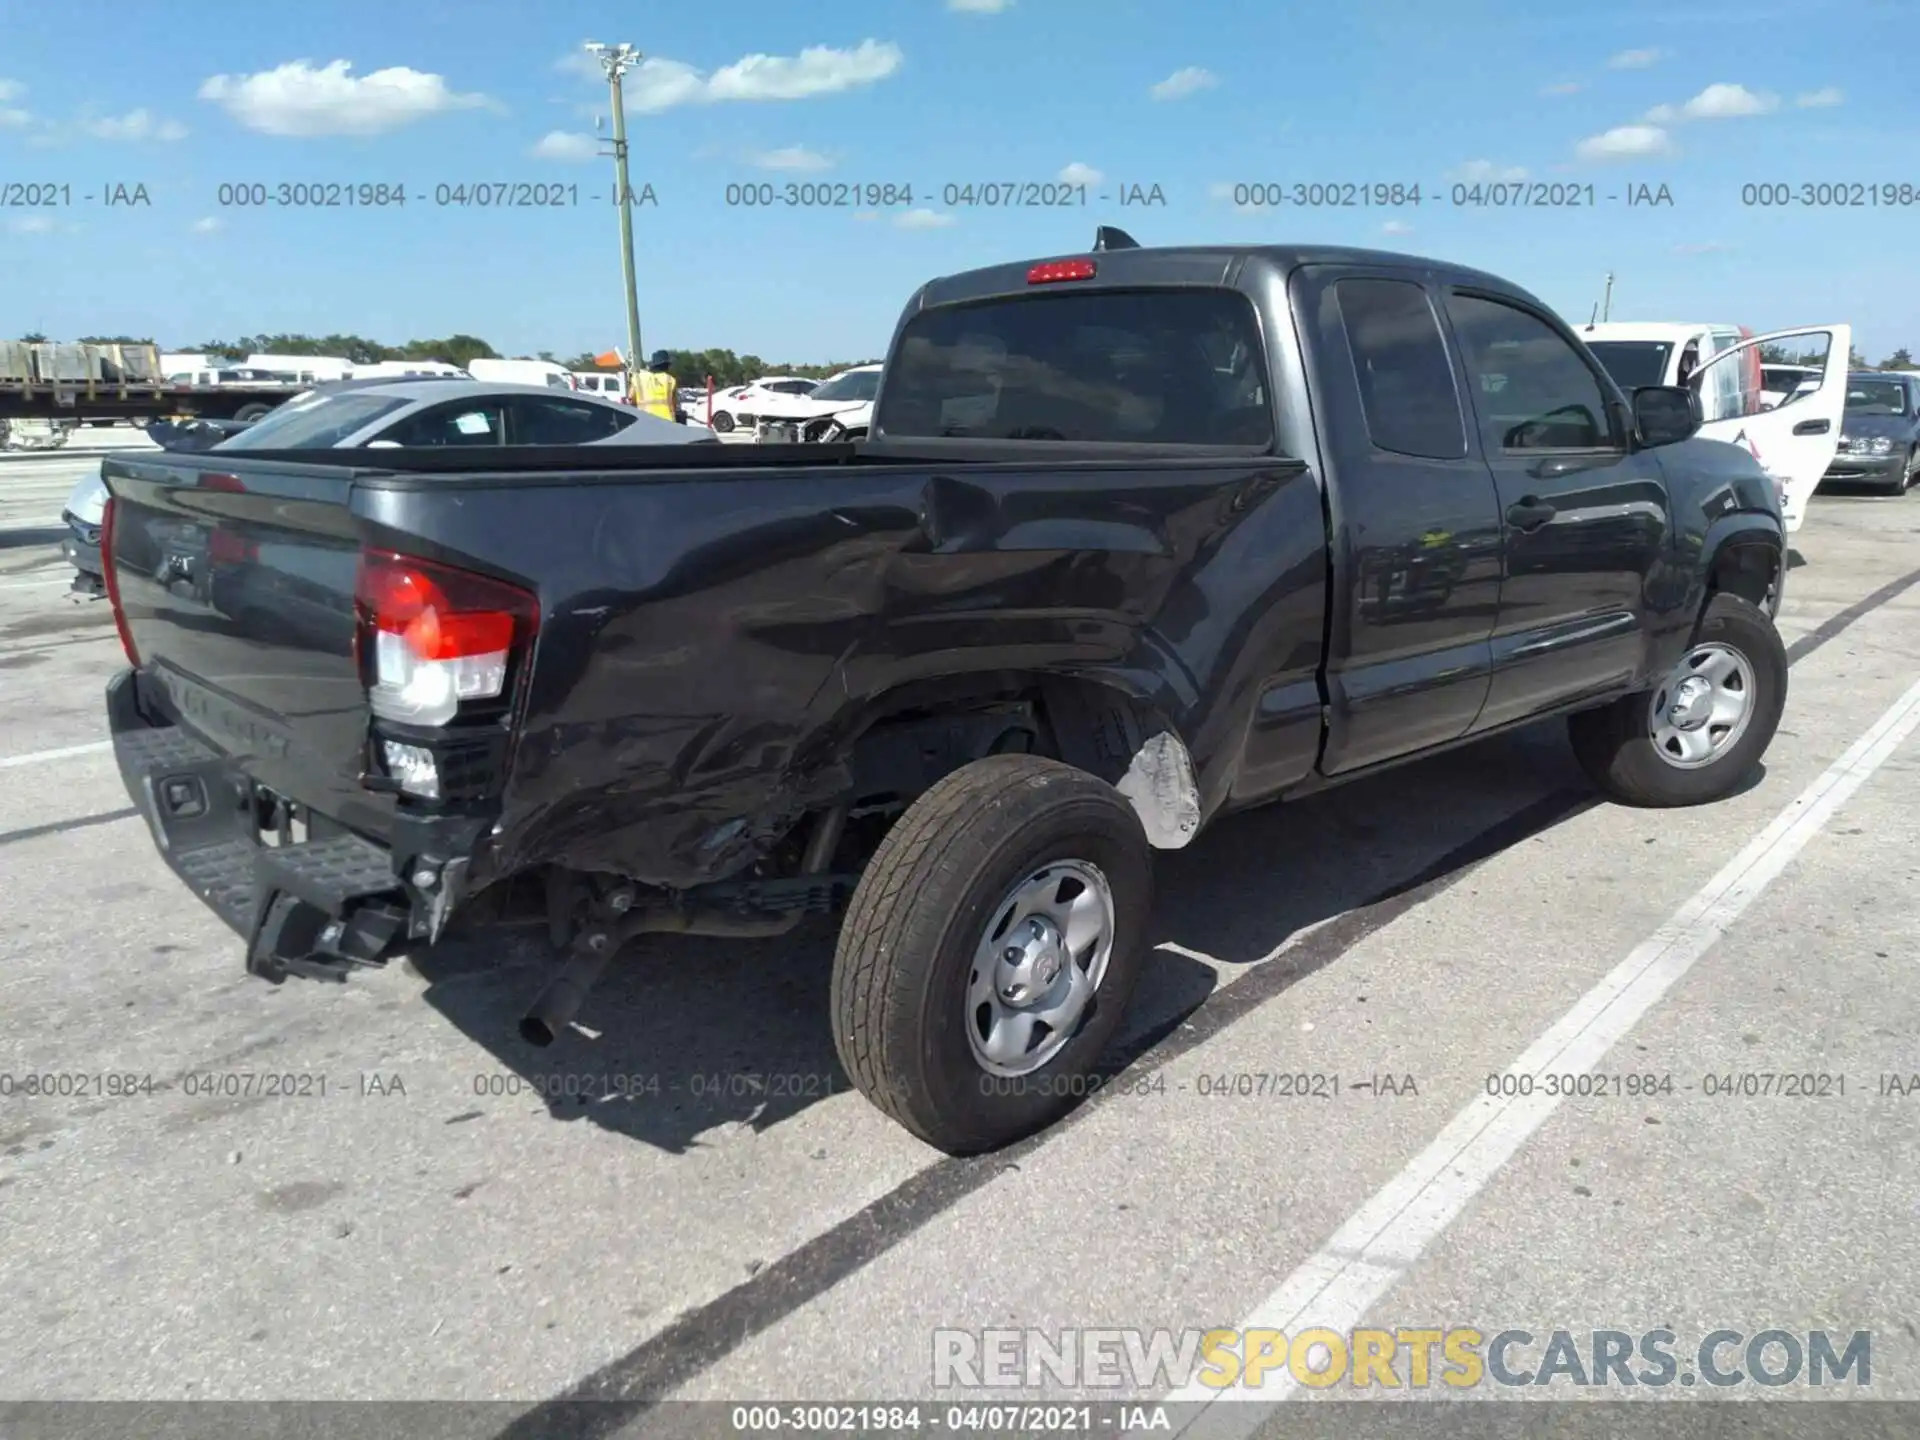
column 1190, row 265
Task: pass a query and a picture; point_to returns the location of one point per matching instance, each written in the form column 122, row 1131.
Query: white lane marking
column 10, row 762
column 36, row 584
column 1384, row 1238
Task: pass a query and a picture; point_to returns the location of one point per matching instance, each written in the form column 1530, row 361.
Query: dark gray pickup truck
column 1140, row 537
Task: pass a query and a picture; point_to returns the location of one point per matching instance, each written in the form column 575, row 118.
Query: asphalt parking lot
column 416, row 1220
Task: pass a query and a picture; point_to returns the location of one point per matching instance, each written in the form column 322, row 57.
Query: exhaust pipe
column 556, row 1006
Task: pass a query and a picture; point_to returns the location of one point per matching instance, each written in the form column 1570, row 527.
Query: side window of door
column 1407, row 389
column 459, row 423
column 564, row 422
column 1532, row 391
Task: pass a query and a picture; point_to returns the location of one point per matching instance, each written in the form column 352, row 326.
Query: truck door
column 1415, row 520
column 1584, row 514
column 1797, row 439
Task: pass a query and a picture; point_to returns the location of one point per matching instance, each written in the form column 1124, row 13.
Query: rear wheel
column 252, row 412
column 722, row 422
column 990, row 949
column 1696, row 736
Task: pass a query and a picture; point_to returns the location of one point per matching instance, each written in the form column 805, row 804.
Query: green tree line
column 692, row 367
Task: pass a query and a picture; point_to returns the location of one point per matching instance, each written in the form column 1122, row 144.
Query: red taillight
column 1051, row 271
column 438, row 635
column 107, row 574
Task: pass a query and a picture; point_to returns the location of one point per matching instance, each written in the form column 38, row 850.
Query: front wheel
column 1696, row 736
column 990, row 949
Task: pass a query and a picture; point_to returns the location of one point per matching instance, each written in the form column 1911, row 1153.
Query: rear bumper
column 317, row 905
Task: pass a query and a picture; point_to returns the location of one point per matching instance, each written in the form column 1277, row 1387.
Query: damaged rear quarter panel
column 709, row 641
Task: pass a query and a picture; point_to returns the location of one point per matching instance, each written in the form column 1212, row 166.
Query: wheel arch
column 1110, row 724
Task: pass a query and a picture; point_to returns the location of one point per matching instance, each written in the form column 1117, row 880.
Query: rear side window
column 1155, row 367
column 1400, row 361
column 565, row 422
column 464, row 422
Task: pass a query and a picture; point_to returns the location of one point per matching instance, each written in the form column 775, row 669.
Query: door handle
column 1813, row 427
column 1530, row 513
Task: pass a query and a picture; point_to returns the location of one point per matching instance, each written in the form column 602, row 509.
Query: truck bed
column 710, row 626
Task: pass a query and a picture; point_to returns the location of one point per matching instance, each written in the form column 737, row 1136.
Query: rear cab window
column 1143, row 367
column 1407, row 390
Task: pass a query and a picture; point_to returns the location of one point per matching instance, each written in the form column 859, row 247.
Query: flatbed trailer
column 104, row 383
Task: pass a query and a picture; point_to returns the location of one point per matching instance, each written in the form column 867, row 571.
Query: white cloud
column 791, row 158
column 1625, row 142
column 1480, row 172
column 1660, row 115
column 923, row 220
column 1636, row 59
column 1814, row 99
column 1725, row 102
column 566, row 145
column 1396, row 227
column 206, row 225
column 32, row 225
column 134, row 125
column 657, row 84
column 1566, row 87
column 979, row 7
column 1079, row 173
column 298, row 99
column 1182, row 83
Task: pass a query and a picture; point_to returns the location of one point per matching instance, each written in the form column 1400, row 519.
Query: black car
column 1880, row 432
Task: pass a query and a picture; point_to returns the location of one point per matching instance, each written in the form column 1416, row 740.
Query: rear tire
column 722, row 423
column 938, row 913
column 1636, row 759
column 252, row 412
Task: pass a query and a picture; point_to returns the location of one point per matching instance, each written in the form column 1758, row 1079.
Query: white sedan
column 742, row 406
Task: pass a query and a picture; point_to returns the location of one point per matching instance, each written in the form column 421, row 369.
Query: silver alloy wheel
column 1038, row 967
column 1702, row 708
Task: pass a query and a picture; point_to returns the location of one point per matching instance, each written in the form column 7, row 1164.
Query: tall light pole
column 616, row 60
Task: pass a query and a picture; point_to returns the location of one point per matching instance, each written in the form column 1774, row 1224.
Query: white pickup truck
column 1795, row 437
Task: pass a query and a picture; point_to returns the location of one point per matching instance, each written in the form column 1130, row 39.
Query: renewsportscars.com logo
column 1458, row 1357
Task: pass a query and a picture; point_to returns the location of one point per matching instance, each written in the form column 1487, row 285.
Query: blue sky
column 183, row 97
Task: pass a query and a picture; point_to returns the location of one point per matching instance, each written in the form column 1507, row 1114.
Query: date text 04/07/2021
column 1476, row 195
column 458, row 195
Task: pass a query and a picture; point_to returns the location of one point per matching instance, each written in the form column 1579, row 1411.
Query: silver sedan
column 421, row 412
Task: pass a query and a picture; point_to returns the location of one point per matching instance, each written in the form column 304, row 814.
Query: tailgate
column 237, row 588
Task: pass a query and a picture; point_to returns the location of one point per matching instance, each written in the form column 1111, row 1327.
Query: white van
column 1794, row 438
column 1667, row 353
column 607, row 384
column 308, row 369
column 522, row 372
column 404, row 367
